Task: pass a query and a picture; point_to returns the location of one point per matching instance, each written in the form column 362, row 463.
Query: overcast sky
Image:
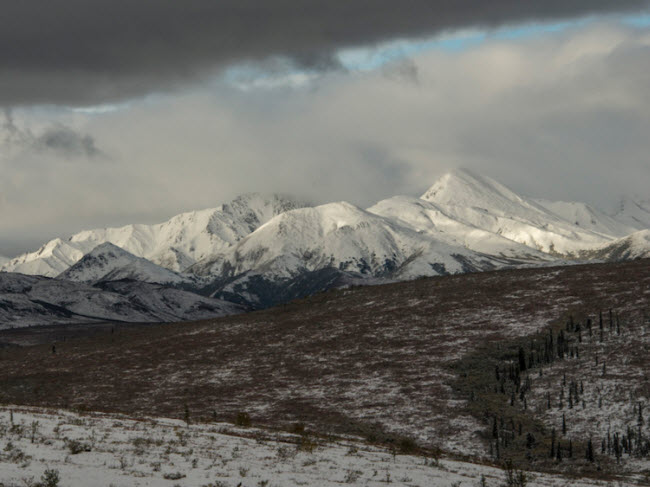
column 121, row 112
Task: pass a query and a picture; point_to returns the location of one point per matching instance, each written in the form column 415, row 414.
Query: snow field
column 110, row 450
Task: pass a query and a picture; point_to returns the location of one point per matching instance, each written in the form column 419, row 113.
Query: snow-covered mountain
column 426, row 217
column 108, row 262
column 342, row 236
column 35, row 300
column 588, row 218
column 260, row 250
column 174, row 244
column 3, row 260
column 634, row 246
column 343, row 243
column 50, row 260
column 634, row 212
column 484, row 203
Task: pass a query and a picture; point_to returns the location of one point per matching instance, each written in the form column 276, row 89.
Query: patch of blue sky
column 274, row 73
column 100, row 109
column 640, row 21
column 368, row 59
column 103, row 108
column 282, row 73
column 531, row 30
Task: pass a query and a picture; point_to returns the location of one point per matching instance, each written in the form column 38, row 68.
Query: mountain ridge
column 175, row 244
column 108, row 262
column 487, row 204
column 258, row 250
column 37, row 300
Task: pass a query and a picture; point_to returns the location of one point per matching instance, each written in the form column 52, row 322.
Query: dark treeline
column 502, row 400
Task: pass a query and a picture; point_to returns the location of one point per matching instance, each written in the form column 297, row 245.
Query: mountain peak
column 174, row 244
column 109, row 248
column 484, row 203
column 463, row 187
column 110, row 262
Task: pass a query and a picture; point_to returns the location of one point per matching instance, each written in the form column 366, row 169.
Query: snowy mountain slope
column 426, row 217
column 50, row 260
column 587, row 218
column 255, row 245
column 335, row 244
column 169, row 304
column 108, row 262
column 634, row 246
column 174, row 244
column 342, row 236
column 484, row 203
column 35, row 300
column 3, row 260
column 634, row 212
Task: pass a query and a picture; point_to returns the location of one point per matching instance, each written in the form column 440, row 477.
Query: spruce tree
column 552, row 452
column 522, row 359
column 530, row 441
column 600, row 322
column 639, row 440
column 589, row 455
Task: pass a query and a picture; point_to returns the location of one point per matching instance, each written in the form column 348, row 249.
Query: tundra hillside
column 511, row 364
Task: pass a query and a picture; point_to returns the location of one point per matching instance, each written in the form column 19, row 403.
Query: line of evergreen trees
column 517, row 428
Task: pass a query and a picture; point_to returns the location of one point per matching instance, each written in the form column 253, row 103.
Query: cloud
column 550, row 116
column 80, row 52
column 66, row 142
column 401, row 70
column 57, row 139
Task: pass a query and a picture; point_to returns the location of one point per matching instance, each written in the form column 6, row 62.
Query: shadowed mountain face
column 35, row 300
column 634, row 246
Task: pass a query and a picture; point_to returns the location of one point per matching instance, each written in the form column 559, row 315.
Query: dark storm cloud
column 92, row 51
column 65, row 141
column 56, row 139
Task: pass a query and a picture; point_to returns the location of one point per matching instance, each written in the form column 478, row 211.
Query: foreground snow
column 117, row 451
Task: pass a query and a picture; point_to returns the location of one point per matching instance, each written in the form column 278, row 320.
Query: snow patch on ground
column 98, row 449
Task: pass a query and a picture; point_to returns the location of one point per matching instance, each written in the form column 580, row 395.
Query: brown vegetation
column 370, row 361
